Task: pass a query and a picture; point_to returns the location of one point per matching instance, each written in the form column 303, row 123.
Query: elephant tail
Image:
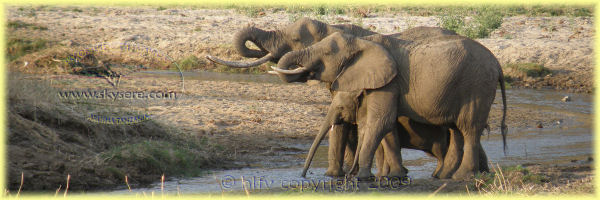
column 503, row 127
column 311, row 153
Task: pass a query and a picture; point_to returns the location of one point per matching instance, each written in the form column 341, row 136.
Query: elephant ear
column 370, row 68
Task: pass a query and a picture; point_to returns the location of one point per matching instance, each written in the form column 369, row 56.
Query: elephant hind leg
column 382, row 167
column 438, row 150
column 469, row 165
column 483, row 160
column 453, row 156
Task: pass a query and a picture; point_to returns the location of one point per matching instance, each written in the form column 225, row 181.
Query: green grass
column 161, row 8
column 19, row 24
column 507, row 180
column 530, row 69
column 250, row 11
column 190, row 62
column 480, row 26
column 17, row 47
column 157, row 157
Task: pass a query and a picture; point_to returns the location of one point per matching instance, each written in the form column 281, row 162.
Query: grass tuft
column 17, row 47
column 528, row 69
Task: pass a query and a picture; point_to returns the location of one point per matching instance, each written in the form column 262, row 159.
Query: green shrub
column 530, row 69
column 480, row 26
column 189, row 63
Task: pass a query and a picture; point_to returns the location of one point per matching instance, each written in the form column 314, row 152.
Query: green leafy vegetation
column 190, row 62
column 19, row 24
column 529, row 69
column 479, row 25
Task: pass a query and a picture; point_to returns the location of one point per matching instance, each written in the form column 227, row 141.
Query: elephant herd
column 425, row 88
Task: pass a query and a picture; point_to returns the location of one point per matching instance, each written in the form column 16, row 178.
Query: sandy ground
column 563, row 44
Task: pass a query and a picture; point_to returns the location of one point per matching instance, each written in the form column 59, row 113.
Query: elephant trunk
column 291, row 59
column 254, row 35
column 330, row 120
column 313, row 148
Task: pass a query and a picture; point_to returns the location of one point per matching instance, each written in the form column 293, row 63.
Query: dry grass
column 49, row 139
column 520, row 181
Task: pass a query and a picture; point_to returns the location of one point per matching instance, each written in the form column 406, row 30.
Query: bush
column 529, row 69
column 479, row 26
column 189, row 63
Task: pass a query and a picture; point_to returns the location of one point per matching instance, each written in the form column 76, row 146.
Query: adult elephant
column 447, row 81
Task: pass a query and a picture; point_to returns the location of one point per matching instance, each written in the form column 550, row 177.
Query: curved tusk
column 272, row 72
column 293, row 71
column 262, row 60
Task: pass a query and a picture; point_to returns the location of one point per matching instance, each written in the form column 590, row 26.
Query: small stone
column 68, row 43
column 539, row 125
column 566, row 99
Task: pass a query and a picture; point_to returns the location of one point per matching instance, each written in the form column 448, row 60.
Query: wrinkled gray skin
column 446, row 81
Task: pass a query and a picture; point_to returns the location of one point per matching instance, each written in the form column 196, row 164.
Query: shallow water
column 566, row 140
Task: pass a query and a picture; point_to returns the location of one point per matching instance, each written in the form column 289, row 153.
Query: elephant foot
column 398, row 173
column 364, row 174
column 334, row 173
column 463, row 174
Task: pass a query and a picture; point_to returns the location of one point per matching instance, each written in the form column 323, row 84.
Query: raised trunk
column 256, row 36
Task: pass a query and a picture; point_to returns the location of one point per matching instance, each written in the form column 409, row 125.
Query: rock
column 539, row 125
column 566, row 99
column 68, row 43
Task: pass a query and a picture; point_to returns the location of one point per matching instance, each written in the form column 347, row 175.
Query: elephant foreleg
column 335, row 156
column 350, row 145
column 380, row 120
